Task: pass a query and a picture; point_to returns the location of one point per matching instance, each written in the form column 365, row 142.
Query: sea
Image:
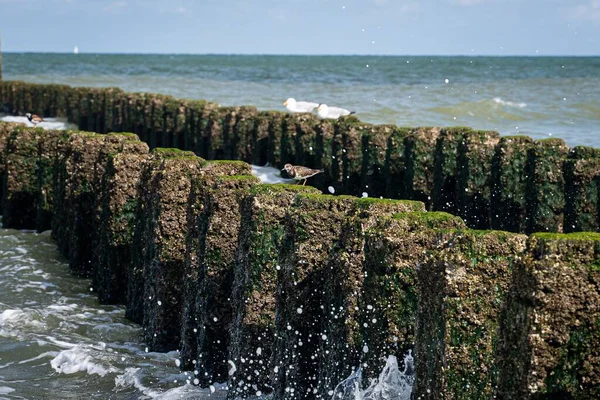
column 57, row 342
column 537, row 96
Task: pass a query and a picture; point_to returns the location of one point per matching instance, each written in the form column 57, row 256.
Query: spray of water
column 391, row 383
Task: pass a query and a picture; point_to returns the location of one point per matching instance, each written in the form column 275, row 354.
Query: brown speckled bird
column 34, row 119
column 300, row 173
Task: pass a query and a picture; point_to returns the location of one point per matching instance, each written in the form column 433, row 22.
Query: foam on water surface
column 48, row 124
column 269, row 174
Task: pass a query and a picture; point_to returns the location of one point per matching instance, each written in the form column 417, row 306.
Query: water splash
column 391, row 383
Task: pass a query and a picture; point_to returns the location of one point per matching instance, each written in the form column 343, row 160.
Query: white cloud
column 115, row 6
column 589, row 11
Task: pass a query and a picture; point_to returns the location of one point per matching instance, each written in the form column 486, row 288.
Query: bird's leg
column 304, row 182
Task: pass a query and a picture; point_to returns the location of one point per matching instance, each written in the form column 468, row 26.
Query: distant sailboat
column 75, row 50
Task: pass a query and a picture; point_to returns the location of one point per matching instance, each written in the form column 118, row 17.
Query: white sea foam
column 498, row 100
column 391, row 384
column 132, row 377
column 50, row 123
column 268, row 174
column 14, row 321
column 6, row 390
column 79, row 359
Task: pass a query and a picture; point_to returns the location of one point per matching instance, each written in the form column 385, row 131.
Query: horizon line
column 297, row 55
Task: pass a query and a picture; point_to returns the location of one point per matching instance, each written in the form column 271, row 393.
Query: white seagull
column 332, row 112
column 299, row 106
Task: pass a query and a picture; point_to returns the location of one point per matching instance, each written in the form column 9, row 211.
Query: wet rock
column 545, row 196
column 197, row 224
column 155, row 276
column 420, row 149
column 119, row 203
column 462, row 285
column 509, row 183
column 473, row 181
column 549, row 333
column 219, row 226
column 582, row 178
column 444, row 194
column 255, row 285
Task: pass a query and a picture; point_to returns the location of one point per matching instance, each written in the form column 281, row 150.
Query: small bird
column 299, row 106
column 34, row 119
column 332, row 112
column 300, row 173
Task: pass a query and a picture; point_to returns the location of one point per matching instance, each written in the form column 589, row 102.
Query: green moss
column 128, row 135
column 430, row 219
column 367, row 202
column 584, row 152
column 548, row 142
column 590, row 236
column 324, row 198
column 230, row 162
column 174, row 153
column 282, row 187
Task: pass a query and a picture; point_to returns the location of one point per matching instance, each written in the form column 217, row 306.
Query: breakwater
column 279, row 288
column 510, row 183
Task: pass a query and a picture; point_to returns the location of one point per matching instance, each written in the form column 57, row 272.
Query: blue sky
column 415, row 27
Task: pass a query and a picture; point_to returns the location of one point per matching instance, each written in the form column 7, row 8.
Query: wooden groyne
column 281, row 289
column 511, row 183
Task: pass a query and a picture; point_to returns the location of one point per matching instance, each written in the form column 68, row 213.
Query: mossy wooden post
column 52, row 147
column 550, row 330
column 159, row 246
column 196, row 226
column 509, row 183
column 274, row 143
column 254, row 286
column 260, row 138
column 193, row 128
column 582, row 178
column 445, row 175
column 545, row 196
column 324, row 153
column 119, row 203
column 351, row 134
column 77, row 195
column 387, row 305
column 474, row 178
column 19, row 178
column 462, row 286
column 214, row 310
column 213, row 133
column 312, row 227
column 374, row 144
column 305, row 140
column 394, row 171
column 6, row 129
column 340, row 344
column 242, row 138
column 420, row 150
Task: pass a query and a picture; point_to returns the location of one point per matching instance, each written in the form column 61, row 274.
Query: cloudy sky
column 415, row 27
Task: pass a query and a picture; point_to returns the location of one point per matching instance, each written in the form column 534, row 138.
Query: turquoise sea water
column 537, row 96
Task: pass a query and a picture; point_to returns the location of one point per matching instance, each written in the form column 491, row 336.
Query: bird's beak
column 285, row 103
column 283, row 169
